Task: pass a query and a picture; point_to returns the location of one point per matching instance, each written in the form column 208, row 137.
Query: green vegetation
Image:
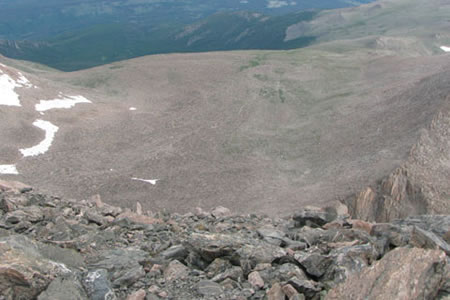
column 92, row 82
column 100, row 44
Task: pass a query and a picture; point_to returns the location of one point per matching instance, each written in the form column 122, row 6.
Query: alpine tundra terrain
column 257, row 131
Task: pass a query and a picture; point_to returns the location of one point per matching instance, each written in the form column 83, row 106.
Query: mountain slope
column 258, row 131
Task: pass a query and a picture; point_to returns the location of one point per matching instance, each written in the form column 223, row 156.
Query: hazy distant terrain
column 257, row 131
column 72, row 35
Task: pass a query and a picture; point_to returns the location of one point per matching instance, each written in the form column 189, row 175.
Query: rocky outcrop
column 403, row 274
column 52, row 248
column 419, row 186
column 395, row 197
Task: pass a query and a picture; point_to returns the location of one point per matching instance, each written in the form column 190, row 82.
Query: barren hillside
column 257, row 131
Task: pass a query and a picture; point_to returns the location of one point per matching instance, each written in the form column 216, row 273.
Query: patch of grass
column 254, row 62
column 92, row 82
column 281, row 95
column 267, row 92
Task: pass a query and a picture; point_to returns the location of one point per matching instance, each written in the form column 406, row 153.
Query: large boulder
column 26, row 268
column 403, row 273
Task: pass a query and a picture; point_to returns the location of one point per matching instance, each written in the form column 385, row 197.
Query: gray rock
column 127, row 277
column 396, row 235
column 24, row 271
column 218, row 266
column 98, row 285
column 93, row 217
column 347, row 261
column 438, row 224
column 64, row 287
column 307, row 287
column 234, row 273
column 68, row 257
column 272, row 235
column 212, row 246
column 124, row 265
column 428, row 240
column 230, row 284
column 178, row 252
column 286, row 271
column 315, row 264
column 257, row 253
column 209, row 288
column 30, row 214
column 175, row 270
column 313, row 217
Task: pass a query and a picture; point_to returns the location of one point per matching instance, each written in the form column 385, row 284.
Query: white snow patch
column 7, row 85
column 9, row 169
column 42, row 147
column 23, row 81
column 7, row 94
column 151, row 181
column 133, row 108
column 67, row 102
column 445, row 48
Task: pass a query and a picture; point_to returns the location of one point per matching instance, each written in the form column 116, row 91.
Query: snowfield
column 8, row 170
column 445, row 49
column 42, row 147
column 68, row 102
column 7, row 94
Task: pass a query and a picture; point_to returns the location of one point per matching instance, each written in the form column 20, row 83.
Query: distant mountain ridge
column 72, row 35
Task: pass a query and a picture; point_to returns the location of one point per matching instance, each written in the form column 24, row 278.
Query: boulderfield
column 54, row 248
